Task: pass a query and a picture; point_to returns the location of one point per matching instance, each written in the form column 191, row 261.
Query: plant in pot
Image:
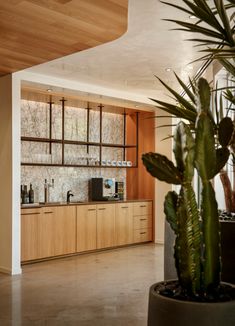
column 198, row 296
column 216, row 30
column 197, row 245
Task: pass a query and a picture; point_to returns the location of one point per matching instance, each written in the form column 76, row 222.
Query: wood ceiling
column 37, row 31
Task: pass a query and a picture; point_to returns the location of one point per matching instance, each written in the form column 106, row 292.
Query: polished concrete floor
column 109, row 288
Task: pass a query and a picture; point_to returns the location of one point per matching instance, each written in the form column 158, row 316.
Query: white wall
column 10, row 174
column 161, row 188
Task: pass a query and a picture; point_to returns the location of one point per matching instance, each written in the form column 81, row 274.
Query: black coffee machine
column 102, row 189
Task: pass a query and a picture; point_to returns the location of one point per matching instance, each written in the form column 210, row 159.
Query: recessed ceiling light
column 49, row 90
column 136, row 106
column 192, row 17
column 168, row 69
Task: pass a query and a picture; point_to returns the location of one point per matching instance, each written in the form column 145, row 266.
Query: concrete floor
column 108, row 288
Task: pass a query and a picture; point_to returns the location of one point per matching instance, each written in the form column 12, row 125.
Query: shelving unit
column 87, row 146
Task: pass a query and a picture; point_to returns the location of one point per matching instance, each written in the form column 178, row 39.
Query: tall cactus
column 197, row 244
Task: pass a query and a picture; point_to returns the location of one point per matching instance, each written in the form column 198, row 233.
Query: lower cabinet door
column 86, row 228
column 105, row 226
column 124, row 223
column 46, row 232
column 65, row 230
column 30, row 219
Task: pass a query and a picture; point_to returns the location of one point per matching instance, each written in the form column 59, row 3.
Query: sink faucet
column 46, row 189
column 69, row 194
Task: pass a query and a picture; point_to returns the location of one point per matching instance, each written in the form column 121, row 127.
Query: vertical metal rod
column 88, row 130
column 124, row 136
column 50, row 123
column 137, row 138
column 63, row 123
column 101, row 111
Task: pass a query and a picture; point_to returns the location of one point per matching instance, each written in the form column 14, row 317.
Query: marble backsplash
column 65, row 178
column 35, row 123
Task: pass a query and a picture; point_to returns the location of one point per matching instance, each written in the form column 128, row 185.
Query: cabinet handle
column 143, row 232
column 31, row 213
column 124, row 206
column 143, row 219
column 101, row 209
column 48, row 212
column 143, row 206
column 91, row 209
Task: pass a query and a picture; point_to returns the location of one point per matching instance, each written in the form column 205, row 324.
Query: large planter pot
column 165, row 311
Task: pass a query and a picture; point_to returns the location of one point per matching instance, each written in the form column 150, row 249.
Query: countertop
column 60, row 203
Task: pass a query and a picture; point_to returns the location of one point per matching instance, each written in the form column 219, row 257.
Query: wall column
column 163, row 147
column 10, row 174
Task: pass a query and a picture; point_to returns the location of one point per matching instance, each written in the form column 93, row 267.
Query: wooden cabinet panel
column 105, row 226
column 30, row 219
column 65, row 230
column 142, row 208
column 46, row 226
column 142, row 235
column 124, row 223
column 142, row 222
column 86, row 227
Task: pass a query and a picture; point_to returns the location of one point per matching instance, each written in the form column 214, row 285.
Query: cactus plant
column 197, row 244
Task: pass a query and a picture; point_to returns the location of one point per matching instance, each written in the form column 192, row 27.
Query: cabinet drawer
column 31, row 211
column 142, row 208
column 142, row 235
column 142, row 222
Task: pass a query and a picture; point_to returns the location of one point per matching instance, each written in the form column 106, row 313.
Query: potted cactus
column 197, row 246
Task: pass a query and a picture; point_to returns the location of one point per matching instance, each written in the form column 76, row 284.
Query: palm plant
column 217, row 40
column 197, row 245
column 203, row 144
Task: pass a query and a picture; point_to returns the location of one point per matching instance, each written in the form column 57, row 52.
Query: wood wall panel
column 140, row 184
column 33, row 32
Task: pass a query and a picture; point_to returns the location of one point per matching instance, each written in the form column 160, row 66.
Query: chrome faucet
column 46, row 189
column 69, row 194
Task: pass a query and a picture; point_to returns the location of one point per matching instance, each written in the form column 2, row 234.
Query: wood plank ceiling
column 37, row 31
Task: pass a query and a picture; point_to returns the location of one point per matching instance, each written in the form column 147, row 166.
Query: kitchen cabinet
column 86, row 228
column 30, row 219
column 46, row 232
column 142, row 222
column 52, row 231
column 124, row 223
column 105, row 226
column 65, row 230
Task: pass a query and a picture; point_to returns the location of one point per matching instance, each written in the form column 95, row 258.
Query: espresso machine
column 102, row 189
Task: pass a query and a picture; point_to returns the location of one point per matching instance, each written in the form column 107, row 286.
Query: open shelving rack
column 87, row 143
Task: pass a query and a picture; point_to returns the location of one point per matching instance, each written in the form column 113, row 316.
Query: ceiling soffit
column 34, row 32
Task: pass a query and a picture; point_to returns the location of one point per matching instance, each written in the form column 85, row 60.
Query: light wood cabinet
column 124, row 223
column 61, row 230
column 105, row 226
column 30, row 219
column 86, row 228
column 65, row 230
column 46, row 232
column 142, row 222
column 142, row 208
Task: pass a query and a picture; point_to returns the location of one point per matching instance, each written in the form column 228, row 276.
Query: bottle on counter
column 25, row 195
column 31, row 194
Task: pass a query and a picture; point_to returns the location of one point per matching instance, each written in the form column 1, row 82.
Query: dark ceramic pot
column 164, row 311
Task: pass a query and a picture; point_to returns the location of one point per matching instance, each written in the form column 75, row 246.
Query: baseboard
column 6, row 270
column 159, row 241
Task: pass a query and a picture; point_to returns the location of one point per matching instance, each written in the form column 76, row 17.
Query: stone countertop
column 52, row 204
